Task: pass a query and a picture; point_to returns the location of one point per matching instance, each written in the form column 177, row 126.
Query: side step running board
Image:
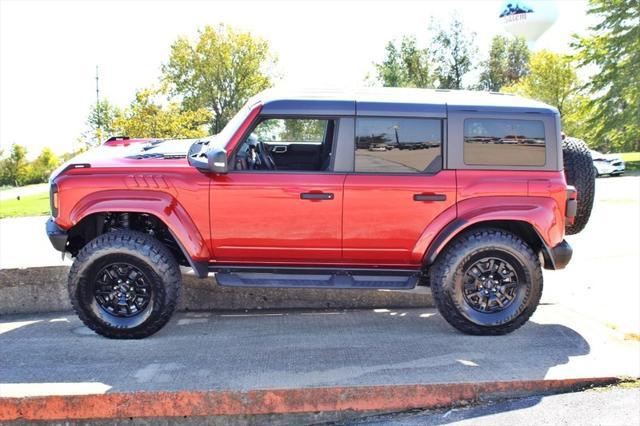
column 313, row 278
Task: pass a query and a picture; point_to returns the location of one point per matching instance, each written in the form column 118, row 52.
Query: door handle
column 429, row 197
column 316, row 196
column 279, row 149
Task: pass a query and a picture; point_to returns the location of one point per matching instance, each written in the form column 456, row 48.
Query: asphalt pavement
column 614, row 406
column 55, row 354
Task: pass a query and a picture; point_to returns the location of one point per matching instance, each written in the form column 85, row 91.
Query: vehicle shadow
column 280, row 349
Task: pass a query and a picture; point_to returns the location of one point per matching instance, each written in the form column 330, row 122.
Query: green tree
column 613, row 48
column 553, row 80
column 405, row 65
column 15, row 168
column 454, row 53
column 219, row 72
column 100, row 121
column 508, row 62
column 146, row 117
column 40, row 169
column 303, row 130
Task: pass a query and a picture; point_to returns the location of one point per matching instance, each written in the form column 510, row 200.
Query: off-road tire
column 143, row 252
column 447, row 281
column 579, row 172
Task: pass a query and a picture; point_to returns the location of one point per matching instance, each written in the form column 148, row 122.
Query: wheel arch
column 522, row 228
column 86, row 215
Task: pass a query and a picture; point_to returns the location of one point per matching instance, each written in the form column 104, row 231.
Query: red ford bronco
column 465, row 192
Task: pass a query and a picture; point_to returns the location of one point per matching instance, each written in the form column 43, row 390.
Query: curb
column 279, row 401
column 44, row 289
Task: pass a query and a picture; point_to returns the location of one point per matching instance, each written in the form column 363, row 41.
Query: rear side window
column 398, row 145
column 499, row 142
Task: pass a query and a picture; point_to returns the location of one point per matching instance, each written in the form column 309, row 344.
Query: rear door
column 397, row 188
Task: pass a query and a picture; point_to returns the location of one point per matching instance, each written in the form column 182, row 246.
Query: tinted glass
column 398, row 145
column 493, row 142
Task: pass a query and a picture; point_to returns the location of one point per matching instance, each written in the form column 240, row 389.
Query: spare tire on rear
column 580, row 173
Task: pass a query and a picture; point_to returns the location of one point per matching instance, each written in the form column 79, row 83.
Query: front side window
column 287, row 144
column 398, row 145
column 504, row 142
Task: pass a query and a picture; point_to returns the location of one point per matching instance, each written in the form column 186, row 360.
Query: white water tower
column 528, row 18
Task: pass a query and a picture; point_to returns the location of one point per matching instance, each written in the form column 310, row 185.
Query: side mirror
column 208, row 160
column 217, row 161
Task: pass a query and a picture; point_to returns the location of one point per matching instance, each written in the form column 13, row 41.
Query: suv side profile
column 376, row 189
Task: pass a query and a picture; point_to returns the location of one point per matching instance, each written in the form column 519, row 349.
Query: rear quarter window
column 504, row 142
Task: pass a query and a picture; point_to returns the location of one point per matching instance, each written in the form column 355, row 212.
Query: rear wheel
column 487, row 282
column 581, row 173
column 124, row 285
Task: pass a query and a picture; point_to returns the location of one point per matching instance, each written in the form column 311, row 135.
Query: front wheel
column 124, row 285
column 487, row 282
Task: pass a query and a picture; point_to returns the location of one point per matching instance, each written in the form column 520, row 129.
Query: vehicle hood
column 133, row 154
column 612, row 157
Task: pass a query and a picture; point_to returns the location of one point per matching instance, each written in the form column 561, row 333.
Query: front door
column 396, row 190
column 280, row 203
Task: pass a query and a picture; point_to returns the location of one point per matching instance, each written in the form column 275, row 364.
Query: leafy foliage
column 147, row 117
column 454, row 53
column 42, row 167
column 449, row 58
column 508, row 62
column 613, row 111
column 100, row 122
column 553, row 80
column 405, row 65
column 304, row 130
column 219, row 72
column 14, row 169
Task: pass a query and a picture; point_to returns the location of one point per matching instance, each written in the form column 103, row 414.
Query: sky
column 49, row 49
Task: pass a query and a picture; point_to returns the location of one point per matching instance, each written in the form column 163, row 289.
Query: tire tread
column 445, row 266
column 159, row 258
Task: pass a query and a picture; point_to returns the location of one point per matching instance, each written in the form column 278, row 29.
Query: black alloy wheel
column 122, row 290
column 490, row 285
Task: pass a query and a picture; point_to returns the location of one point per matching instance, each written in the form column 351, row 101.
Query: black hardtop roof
column 372, row 101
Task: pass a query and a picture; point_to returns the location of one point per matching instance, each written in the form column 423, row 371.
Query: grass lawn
column 631, row 160
column 30, row 205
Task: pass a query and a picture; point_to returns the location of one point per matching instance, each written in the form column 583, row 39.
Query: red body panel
column 536, row 197
column 382, row 222
column 176, row 193
column 260, row 217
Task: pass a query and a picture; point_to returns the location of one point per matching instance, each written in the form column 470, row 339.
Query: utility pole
column 98, row 123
